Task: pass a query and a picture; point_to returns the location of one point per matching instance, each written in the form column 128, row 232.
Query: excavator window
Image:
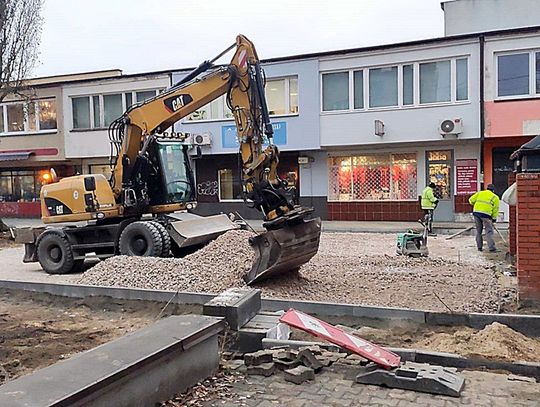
column 175, row 172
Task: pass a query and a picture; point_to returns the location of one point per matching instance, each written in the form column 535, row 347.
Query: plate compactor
column 414, row 244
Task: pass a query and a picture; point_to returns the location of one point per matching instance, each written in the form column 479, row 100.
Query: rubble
column 258, row 358
column 263, row 369
column 299, row 375
column 356, row 268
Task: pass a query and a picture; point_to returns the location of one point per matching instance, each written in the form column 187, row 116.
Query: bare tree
column 20, row 34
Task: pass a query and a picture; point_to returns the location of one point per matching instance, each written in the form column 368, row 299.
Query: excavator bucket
column 283, row 250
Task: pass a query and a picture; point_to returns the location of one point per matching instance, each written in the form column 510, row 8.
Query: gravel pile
column 216, row 267
column 358, row 268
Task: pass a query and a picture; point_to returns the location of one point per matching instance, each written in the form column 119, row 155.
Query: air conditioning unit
column 201, row 139
column 451, row 126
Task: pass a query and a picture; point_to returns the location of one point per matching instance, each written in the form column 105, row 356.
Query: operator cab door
column 440, row 170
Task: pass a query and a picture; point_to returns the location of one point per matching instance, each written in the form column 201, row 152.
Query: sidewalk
column 385, row 227
column 327, row 225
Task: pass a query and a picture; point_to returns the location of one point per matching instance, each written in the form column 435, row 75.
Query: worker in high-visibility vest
column 429, row 203
column 485, row 211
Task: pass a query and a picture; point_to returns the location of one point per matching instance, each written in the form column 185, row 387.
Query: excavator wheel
column 141, row 239
column 55, row 254
column 165, row 239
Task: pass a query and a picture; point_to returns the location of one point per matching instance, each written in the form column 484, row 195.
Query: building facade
column 32, row 140
column 324, row 109
column 90, row 106
column 511, row 101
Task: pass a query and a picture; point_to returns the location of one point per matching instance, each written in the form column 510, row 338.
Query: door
column 502, row 167
column 439, row 170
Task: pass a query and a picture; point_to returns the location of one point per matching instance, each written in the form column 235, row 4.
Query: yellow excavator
column 144, row 209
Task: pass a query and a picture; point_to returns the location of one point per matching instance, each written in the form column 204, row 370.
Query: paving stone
column 264, row 369
column 299, row 374
column 307, row 357
column 256, row 358
column 286, row 364
column 315, row 349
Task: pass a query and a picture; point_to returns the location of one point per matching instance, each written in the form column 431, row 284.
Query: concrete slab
column 415, row 376
column 139, row 369
column 237, row 305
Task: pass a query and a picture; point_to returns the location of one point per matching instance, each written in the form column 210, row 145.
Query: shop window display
column 373, row 177
column 20, row 186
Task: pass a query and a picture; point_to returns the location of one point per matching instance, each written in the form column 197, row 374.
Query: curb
column 526, row 324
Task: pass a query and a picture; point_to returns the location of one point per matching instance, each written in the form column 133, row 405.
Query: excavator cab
column 172, row 179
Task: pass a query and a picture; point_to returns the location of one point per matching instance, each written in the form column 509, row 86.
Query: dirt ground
column 37, row 330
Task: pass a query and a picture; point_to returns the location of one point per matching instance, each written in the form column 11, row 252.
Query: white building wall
column 404, row 124
column 470, row 16
column 91, row 143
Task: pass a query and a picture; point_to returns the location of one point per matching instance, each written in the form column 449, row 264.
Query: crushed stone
column 357, row 268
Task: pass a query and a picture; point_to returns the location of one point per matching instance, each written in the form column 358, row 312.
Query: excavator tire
column 165, row 239
column 55, row 254
column 141, row 239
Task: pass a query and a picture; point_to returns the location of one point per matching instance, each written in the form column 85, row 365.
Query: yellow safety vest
column 485, row 202
column 428, row 199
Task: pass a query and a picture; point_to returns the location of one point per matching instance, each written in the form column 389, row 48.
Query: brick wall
column 528, row 238
column 512, row 226
column 20, row 210
column 369, row 211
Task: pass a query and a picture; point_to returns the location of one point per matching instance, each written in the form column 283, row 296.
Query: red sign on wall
column 466, row 176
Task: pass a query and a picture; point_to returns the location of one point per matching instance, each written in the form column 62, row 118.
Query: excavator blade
column 284, row 250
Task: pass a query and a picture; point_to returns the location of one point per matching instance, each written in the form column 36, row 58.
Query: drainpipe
column 482, row 115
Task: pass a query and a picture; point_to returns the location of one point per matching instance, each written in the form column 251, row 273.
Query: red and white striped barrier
column 341, row 338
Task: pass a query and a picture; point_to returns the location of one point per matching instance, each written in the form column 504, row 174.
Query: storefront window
column 20, row 186
column 373, row 177
column 229, row 185
column 439, row 167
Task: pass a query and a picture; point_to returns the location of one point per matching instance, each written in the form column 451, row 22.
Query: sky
column 151, row 35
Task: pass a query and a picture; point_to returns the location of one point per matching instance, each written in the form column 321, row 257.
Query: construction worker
column 429, row 203
column 485, row 211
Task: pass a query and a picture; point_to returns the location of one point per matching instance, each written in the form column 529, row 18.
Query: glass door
column 439, row 170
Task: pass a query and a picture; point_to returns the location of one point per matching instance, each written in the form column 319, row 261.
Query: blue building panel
column 229, row 138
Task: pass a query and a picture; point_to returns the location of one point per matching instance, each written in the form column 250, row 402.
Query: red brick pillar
column 512, row 221
column 528, row 237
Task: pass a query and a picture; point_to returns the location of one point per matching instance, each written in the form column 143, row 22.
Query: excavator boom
column 147, row 177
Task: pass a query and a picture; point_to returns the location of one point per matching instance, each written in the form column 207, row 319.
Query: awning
column 532, row 145
column 18, row 156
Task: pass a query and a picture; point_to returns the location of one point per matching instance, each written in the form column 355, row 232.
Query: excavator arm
column 292, row 239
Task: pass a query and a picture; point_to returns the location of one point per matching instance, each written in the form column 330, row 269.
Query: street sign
column 341, row 338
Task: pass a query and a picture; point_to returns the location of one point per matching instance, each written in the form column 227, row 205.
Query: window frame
column 532, row 74
column 391, row 163
column 287, row 95
column 90, row 98
column 416, row 85
column 27, row 130
column 219, row 185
